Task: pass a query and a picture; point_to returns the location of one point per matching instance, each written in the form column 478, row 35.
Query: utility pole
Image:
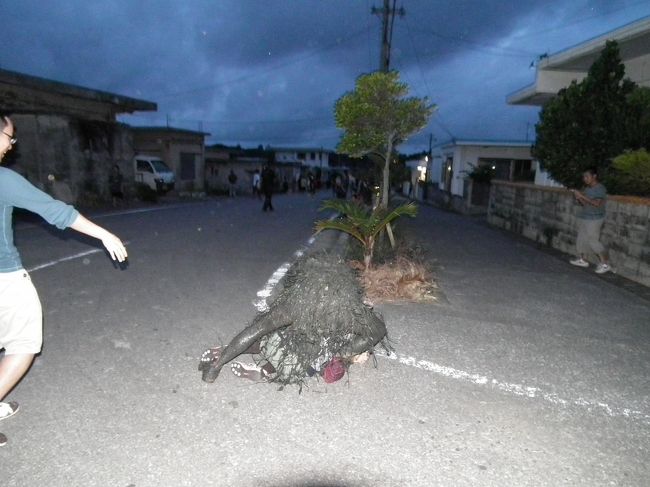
column 387, row 21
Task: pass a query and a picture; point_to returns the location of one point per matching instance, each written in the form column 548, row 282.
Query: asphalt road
column 529, row 373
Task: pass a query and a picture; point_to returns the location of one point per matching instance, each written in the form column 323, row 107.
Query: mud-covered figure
column 318, row 320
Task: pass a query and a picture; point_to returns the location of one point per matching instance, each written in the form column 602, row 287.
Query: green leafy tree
column 362, row 223
column 585, row 124
column 630, row 173
column 638, row 126
column 378, row 116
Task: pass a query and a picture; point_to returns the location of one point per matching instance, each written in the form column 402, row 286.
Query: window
column 523, row 170
column 188, row 168
column 144, row 166
column 313, row 155
column 301, row 155
column 501, row 167
column 160, row 166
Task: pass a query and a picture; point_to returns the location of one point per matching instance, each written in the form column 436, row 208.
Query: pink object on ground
column 334, row 371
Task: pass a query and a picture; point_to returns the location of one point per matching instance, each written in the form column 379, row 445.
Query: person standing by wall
column 21, row 318
column 232, row 184
column 268, row 180
column 115, row 185
column 590, row 222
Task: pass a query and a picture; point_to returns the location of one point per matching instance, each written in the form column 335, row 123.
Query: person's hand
column 115, row 248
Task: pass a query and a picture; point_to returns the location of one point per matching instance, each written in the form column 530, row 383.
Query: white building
column 454, row 161
column 557, row 71
column 423, row 170
column 309, row 157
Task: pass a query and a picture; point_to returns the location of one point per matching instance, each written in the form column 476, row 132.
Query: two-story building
column 314, row 160
column 558, row 70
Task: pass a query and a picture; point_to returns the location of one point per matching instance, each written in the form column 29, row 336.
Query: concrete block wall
column 79, row 154
column 548, row 215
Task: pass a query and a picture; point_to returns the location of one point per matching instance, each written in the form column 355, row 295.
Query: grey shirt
column 16, row 191
column 590, row 212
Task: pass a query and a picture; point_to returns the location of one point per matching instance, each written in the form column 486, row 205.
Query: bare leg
column 12, row 369
column 246, row 340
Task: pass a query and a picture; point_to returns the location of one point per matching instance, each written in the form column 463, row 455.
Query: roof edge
column 35, row 82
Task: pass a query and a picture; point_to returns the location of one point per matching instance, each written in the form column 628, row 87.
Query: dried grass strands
column 403, row 279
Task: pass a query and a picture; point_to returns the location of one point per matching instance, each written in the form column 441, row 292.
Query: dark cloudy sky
column 269, row 71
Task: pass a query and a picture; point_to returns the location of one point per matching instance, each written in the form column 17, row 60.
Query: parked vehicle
column 154, row 173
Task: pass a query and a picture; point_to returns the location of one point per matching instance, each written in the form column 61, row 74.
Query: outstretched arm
column 597, row 202
column 113, row 244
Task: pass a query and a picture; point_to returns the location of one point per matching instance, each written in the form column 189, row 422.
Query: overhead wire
column 579, row 21
column 369, row 29
column 480, row 46
column 257, row 74
column 436, row 117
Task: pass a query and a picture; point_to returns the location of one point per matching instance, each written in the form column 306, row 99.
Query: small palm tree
column 362, row 223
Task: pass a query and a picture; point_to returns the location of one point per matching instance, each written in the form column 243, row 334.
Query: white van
column 153, row 172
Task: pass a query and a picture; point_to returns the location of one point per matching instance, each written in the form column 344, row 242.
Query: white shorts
column 589, row 236
column 21, row 316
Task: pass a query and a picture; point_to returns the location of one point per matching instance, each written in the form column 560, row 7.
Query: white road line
column 450, row 372
column 65, row 259
column 260, row 304
column 137, row 210
column 24, row 226
column 515, row 389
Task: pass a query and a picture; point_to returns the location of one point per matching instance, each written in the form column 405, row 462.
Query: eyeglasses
column 12, row 139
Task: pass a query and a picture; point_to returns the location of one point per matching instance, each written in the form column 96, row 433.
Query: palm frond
column 340, row 225
column 409, row 209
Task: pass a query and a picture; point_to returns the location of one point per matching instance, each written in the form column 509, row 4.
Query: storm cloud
column 269, row 72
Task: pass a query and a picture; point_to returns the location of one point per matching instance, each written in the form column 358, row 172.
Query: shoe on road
column 579, row 262
column 603, row 268
column 3, row 439
column 8, row 409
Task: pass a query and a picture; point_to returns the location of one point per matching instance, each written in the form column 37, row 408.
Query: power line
column 579, row 21
column 262, row 139
column 369, row 43
column 436, row 116
column 243, row 122
column 257, row 74
column 437, row 119
column 480, row 46
column 417, row 59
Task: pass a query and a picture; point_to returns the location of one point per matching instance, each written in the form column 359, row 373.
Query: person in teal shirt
column 21, row 319
column 590, row 222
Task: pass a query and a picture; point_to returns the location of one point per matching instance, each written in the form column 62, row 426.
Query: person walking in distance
column 21, row 319
column 268, row 180
column 256, row 184
column 590, row 222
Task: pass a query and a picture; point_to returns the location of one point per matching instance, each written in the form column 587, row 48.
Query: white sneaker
column 603, row 268
column 580, row 262
column 8, row 409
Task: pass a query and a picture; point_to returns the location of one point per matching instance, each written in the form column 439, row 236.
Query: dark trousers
column 267, row 201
